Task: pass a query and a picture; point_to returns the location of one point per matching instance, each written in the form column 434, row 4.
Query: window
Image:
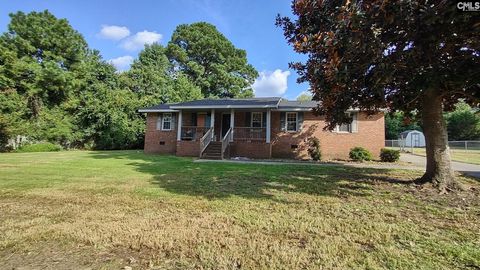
column 344, row 128
column 291, row 121
column 167, row 121
column 348, row 128
column 257, row 118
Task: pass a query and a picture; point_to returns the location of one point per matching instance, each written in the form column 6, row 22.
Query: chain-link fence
column 454, row 145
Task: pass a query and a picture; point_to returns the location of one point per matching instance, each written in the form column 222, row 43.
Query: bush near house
column 389, row 155
column 314, row 148
column 39, row 147
column 360, row 154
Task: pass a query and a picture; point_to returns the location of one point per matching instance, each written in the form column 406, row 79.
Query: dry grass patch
column 111, row 209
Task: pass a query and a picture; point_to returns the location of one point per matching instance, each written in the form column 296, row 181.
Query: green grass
column 469, row 156
column 105, row 210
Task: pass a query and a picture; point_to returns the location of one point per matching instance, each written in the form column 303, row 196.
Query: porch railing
column 249, row 134
column 193, row 133
column 226, row 140
column 205, row 140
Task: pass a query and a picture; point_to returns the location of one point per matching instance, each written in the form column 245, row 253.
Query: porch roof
column 274, row 103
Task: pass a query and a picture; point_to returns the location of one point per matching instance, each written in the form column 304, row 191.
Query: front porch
column 221, row 133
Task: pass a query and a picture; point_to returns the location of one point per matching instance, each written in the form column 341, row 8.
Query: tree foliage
column 463, row 123
column 401, row 55
column 54, row 88
column 211, row 61
column 304, row 97
column 377, row 54
column 398, row 122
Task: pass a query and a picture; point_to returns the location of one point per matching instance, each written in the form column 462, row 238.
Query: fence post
column 466, row 146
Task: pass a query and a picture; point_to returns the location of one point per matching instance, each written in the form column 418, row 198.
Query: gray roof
column 254, row 103
column 158, row 108
column 230, row 103
column 298, row 105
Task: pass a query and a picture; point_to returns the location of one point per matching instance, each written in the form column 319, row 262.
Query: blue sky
column 120, row 28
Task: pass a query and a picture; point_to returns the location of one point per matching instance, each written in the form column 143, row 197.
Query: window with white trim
column 257, row 118
column 347, row 128
column 167, row 121
column 291, row 121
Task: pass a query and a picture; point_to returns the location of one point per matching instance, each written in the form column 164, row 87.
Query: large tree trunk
column 439, row 171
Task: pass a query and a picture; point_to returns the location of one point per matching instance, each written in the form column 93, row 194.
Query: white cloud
column 114, row 32
column 122, row 63
column 271, row 84
column 138, row 41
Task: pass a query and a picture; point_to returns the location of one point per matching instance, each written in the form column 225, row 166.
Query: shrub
column 314, row 148
column 360, row 154
column 389, row 155
column 39, row 147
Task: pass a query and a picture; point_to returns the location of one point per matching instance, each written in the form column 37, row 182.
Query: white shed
column 412, row 138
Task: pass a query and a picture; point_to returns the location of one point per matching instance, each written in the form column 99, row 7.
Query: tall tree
column 211, row 61
column 403, row 55
column 53, row 88
column 43, row 53
column 153, row 78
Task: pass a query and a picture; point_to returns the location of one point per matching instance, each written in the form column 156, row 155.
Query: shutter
column 355, row 122
column 159, row 122
column 207, row 120
column 194, row 119
column 264, row 119
column 174, row 121
column 299, row 121
column 248, row 117
column 282, row 121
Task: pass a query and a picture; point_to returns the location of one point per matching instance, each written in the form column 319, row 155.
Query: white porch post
column 232, row 123
column 268, row 126
column 179, row 126
column 212, row 122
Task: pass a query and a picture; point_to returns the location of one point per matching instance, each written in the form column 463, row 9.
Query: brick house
column 255, row 128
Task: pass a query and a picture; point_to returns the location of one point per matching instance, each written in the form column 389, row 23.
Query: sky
column 119, row 29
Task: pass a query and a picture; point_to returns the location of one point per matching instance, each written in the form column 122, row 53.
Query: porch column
column 232, row 123
column 212, row 122
column 179, row 126
column 267, row 139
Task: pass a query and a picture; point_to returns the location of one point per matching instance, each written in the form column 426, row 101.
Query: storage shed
column 412, row 138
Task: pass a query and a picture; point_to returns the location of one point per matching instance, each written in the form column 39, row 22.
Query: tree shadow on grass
column 213, row 180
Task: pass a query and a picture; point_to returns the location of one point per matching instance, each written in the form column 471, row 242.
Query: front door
column 225, row 124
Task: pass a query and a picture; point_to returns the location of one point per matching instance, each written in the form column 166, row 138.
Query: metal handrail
column 226, row 140
column 205, row 140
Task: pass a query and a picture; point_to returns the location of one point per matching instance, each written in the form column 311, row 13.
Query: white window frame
column 170, row 121
column 350, row 126
column 296, row 121
column 261, row 119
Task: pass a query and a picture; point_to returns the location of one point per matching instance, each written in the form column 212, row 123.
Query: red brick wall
column 250, row 149
column 188, row 148
column 371, row 135
column 153, row 137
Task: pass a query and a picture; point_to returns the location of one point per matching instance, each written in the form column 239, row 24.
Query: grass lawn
column 104, row 210
column 470, row 156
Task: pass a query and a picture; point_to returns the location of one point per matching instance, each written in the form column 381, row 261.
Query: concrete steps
column 213, row 151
